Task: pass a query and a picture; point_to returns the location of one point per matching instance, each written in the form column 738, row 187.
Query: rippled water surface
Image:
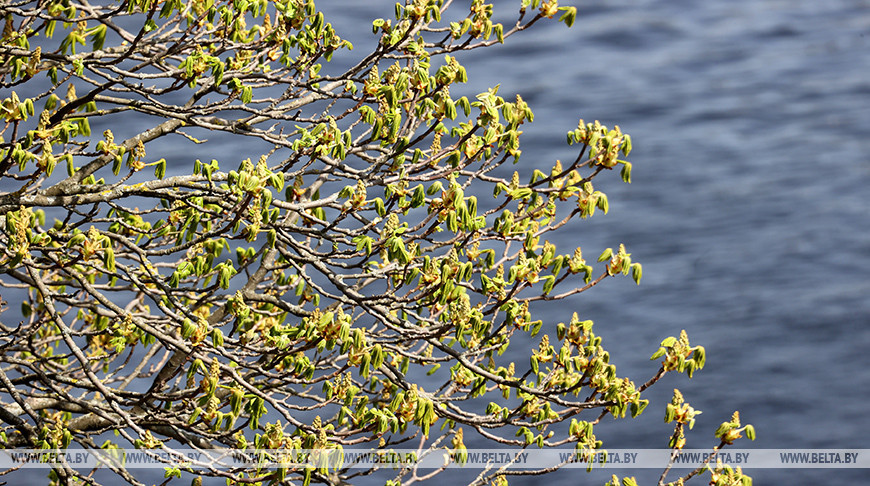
column 749, row 206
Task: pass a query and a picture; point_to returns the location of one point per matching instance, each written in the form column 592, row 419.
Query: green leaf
column 160, row 169
column 109, row 259
column 548, row 284
column 638, row 407
column 750, row 432
column 636, row 272
column 379, row 207
column 569, row 15
column 699, row 356
column 626, row 172
column 98, row 36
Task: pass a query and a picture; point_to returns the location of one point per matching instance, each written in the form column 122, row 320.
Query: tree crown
column 348, row 283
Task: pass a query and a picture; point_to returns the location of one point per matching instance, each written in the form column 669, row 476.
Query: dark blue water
column 749, row 208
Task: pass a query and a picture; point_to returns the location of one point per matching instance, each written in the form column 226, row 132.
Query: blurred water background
column 748, row 207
